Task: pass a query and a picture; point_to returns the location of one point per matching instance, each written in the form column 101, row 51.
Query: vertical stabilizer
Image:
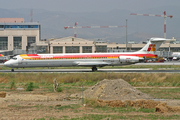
column 152, row 45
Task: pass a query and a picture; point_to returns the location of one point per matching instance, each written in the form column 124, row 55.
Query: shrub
column 13, row 86
column 30, row 87
column 59, row 89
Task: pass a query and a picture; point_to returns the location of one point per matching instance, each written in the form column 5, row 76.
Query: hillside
column 139, row 27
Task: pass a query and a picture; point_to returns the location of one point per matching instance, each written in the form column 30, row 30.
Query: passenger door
column 19, row 60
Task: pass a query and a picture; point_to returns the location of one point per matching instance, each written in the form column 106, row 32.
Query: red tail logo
column 152, row 47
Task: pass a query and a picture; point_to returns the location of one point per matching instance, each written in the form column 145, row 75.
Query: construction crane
column 165, row 16
column 75, row 27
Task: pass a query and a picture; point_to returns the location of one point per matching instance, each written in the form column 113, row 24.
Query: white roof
column 70, row 39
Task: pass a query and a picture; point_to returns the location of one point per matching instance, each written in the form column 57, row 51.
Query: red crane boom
column 75, row 27
column 165, row 16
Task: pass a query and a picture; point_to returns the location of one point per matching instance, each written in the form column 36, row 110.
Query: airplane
column 93, row 60
column 2, row 58
column 175, row 56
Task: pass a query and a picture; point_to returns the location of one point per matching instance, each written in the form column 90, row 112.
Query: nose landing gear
column 12, row 70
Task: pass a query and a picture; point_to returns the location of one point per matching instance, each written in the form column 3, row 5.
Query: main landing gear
column 12, row 70
column 94, row 69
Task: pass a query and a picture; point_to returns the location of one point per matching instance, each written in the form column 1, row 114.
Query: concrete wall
column 71, row 43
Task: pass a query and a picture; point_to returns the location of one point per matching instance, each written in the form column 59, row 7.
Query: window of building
column 42, row 49
column 72, row 49
column 19, row 26
column 1, row 26
column 173, row 49
column 101, row 48
column 17, row 42
column 136, row 49
column 87, row 49
column 163, row 49
column 57, row 49
column 3, row 43
column 30, row 26
column 30, row 40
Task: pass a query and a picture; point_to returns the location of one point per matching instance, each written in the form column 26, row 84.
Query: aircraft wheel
column 94, row 69
column 12, row 70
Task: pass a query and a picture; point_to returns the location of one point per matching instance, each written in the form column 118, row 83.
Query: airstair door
column 19, row 60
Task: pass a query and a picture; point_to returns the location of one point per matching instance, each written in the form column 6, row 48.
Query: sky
column 133, row 6
column 87, row 5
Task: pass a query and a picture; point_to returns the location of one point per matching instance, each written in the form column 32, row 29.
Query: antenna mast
column 31, row 14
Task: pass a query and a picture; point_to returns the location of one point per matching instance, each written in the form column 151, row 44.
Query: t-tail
column 152, row 45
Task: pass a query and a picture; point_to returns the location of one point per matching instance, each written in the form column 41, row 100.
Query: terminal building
column 17, row 34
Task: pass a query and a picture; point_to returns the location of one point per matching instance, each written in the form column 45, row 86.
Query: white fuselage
column 86, row 59
column 67, row 60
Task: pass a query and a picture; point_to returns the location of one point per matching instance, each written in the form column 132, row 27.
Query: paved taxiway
column 89, row 70
column 160, row 63
column 143, row 70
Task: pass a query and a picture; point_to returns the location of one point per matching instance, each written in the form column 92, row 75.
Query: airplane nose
column 7, row 64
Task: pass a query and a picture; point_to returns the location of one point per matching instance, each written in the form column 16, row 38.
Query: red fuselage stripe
column 89, row 56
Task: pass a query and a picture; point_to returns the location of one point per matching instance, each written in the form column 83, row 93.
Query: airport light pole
column 126, row 35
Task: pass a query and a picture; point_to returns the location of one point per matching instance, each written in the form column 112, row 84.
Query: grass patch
column 145, row 110
column 65, row 107
column 44, row 81
column 162, row 93
column 91, row 103
column 14, row 106
column 100, row 117
column 2, row 85
column 108, row 109
column 89, row 79
column 48, row 88
column 12, row 85
column 60, row 89
column 77, row 80
column 39, row 106
column 117, row 117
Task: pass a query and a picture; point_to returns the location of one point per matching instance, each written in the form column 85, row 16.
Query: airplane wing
column 92, row 64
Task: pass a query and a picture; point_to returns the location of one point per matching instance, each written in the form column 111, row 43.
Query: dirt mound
column 159, row 106
column 3, row 80
column 2, row 94
column 163, row 108
column 138, row 103
column 112, row 90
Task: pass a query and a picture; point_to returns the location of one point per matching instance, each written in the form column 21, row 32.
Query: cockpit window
column 14, row 58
